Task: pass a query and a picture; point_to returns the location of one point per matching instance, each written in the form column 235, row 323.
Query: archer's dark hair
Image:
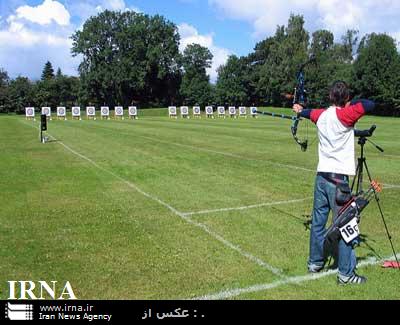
column 339, row 93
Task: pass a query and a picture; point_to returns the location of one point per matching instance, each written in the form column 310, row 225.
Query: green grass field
column 179, row 209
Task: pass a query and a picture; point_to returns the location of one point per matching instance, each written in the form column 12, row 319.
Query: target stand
column 232, row 112
column 172, row 112
column 76, row 113
column 119, row 113
column 221, row 112
column 30, row 114
column 91, row 113
column 47, row 111
column 243, row 112
column 210, row 112
column 253, row 111
column 61, row 113
column 105, row 113
column 185, row 112
column 133, row 113
column 196, row 112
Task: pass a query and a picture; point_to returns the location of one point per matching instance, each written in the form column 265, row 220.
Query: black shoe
column 354, row 279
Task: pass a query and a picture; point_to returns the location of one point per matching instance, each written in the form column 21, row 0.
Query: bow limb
column 303, row 144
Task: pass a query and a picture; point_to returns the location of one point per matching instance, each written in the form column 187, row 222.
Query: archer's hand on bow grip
column 297, row 108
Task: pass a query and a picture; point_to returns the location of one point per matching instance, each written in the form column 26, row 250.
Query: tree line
column 133, row 58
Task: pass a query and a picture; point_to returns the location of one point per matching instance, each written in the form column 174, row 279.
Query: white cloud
column 115, row 5
column 190, row 35
column 28, row 39
column 336, row 15
column 45, row 13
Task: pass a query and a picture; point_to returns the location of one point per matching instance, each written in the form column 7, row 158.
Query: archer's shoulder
column 316, row 113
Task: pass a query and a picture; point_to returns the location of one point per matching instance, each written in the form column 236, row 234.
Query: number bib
column 350, row 230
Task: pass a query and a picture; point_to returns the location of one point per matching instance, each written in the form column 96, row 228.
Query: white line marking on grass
column 228, row 154
column 213, row 234
column 289, row 280
column 390, row 186
column 183, row 216
column 246, row 207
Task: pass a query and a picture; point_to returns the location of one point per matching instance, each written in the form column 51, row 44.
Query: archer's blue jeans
column 324, row 201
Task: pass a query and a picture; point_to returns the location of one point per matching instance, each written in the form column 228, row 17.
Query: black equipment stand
column 358, row 179
column 43, row 127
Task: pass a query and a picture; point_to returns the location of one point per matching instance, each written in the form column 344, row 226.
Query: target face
column 61, row 111
column 105, row 111
column 91, row 111
column 132, row 110
column 209, row 110
column 242, row 110
column 119, row 111
column 232, row 110
column 46, row 111
column 196, row 110
column 221, row 110
column 30, row 112
column 253, row 110
column 172, row 110
column 185, row 110
column 76, row 111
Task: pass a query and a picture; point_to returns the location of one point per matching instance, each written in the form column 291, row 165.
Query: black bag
column 343, row 194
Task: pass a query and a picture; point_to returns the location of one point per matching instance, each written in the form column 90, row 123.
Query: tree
column 376, row 72
column 4, row 89
column 48, row 72
column 128, row 56
column 20, row 95
column 232, row 82
column 195, row 87
column 287, row 50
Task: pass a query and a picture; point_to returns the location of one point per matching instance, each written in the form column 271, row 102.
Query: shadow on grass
column 366, row 242
column 305, row 221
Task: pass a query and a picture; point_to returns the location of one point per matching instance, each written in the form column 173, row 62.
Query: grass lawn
column 159, row 208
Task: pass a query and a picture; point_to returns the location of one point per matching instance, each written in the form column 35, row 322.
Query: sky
column 33, row 32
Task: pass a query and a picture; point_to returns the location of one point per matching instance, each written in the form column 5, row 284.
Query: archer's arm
column 348, row 115
column 353, row 111
column 311, row 114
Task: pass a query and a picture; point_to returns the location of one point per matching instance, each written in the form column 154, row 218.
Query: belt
column 333, row 177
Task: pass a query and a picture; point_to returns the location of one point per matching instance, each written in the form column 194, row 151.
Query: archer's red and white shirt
column 336, row 137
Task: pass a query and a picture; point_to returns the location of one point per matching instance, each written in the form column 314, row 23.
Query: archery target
column 46, row 111
column 232, row 110
column 253, row 110
column 196, row 110
column 172, row 110
column 132, row 110
column 61, row 111
column 76, row 111
column 105, row 111
column 209, row 110
column 90, row 111
column 184, row 110
column 221, row 110
column 242, row 110
column 30, row 112
column 119, row 111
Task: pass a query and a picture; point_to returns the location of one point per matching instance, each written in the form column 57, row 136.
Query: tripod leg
column 356, row 178
column 381, row 213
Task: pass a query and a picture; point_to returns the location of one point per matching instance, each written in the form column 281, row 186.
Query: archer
column 336, row 163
